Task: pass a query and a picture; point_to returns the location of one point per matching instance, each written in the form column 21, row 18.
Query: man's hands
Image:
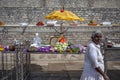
column 98, row 69
column 106, row 77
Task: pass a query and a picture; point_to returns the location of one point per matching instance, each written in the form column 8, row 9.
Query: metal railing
column 111, row 51
column 15, row 65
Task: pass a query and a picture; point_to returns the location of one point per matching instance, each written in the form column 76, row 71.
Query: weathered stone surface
column 76, row 35
column 32, row 11
column 59, row 3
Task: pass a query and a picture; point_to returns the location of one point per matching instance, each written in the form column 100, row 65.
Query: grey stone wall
column 59, row 3
column 15, row 15
column 76, row 35
column 13, row 12
column 31, row 11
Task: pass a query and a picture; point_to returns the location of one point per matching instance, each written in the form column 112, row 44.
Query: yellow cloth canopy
column 63, row 15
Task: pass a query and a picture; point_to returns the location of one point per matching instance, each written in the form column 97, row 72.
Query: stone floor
column 68, row 71
column 67, row 67
column 59, row 75
column 69, row 75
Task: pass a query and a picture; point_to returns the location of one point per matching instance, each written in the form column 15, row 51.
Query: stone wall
column 59, row 3
column 15, row 15
column 76, row 35
column 32, row 11
column 13, row 12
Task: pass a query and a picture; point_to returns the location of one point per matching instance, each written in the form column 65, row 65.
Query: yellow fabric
column 65, row 15
column 1, row 49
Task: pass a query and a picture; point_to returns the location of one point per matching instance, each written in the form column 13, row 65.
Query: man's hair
column 98, row 32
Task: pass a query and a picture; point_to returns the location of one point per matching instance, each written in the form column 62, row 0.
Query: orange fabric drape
column 62, row 40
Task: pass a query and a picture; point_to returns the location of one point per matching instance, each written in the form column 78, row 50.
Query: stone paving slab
column 68, row 75
column 69, row 71
column 69, row 66
column 58, row 75
column 56, row 67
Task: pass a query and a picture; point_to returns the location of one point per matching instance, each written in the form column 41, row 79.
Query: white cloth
column 93, row 58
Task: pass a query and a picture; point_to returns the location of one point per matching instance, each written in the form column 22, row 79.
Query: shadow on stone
column 36, row 68
column 68, row 75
